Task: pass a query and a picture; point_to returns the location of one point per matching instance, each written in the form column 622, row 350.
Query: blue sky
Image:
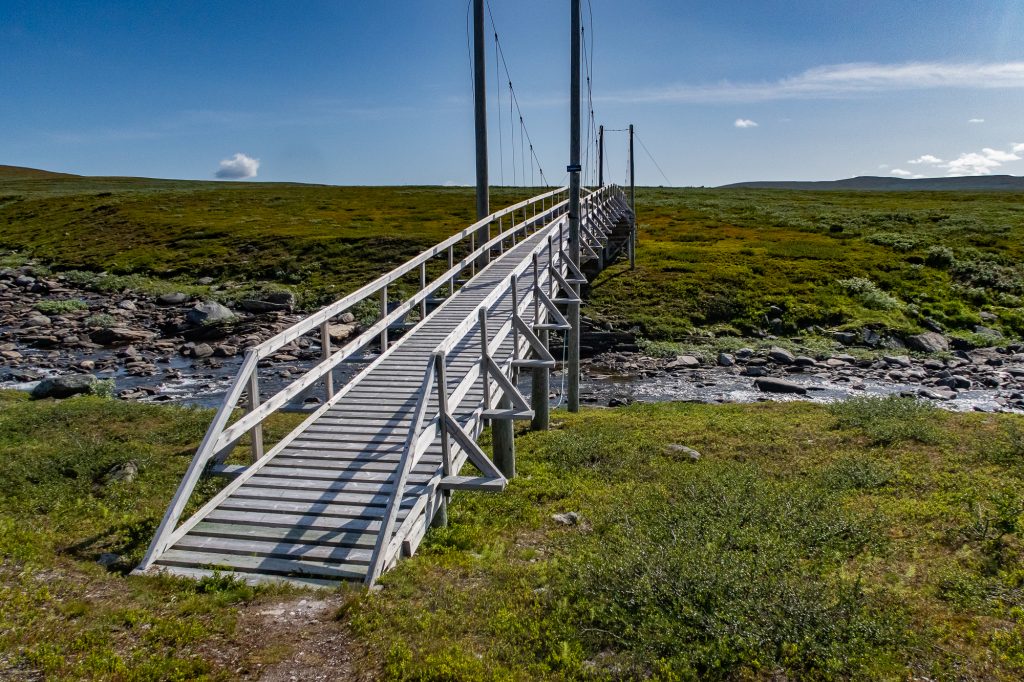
column 350, row 92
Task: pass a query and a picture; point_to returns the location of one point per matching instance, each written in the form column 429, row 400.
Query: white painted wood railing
column 523, row 218
column 457, row 445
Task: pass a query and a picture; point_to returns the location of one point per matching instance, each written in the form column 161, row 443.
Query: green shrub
column 58, row 307
column 895, row 241
column 888, row 420
column 939, row 257
column 101, row 320
column 868, row 294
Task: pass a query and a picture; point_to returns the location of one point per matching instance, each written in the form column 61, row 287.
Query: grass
column 872, row 539
column 165, row 235
column 718, row 260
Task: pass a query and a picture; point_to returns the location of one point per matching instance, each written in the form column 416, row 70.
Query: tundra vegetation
column 872, row 539
column 719, row 261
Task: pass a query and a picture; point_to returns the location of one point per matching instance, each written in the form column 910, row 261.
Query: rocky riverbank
column 50, row 326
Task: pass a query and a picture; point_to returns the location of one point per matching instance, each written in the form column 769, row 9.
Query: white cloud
column 839, row 80
column 883, row 166
column 745, row 123
column 926, row 158
column 238, row 167
column 901, row 173
column 980, row 163
column 1018, row 147
column 976, row 120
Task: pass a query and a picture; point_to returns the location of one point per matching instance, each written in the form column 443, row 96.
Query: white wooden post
column 325, row 353
column 485, row 359
column 383, row 314
column 423, row 285
column 256, row 434
column 441, row 517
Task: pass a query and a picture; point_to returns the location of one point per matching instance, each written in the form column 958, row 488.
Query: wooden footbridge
column 355, row 486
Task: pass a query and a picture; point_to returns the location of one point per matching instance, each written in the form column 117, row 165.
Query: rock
column 87, row 365
column 127, row 304
column 870, row 337
column 125, row 472
column 678, row 449
column 201, row 350
column 109, row 560
column 205, row 281
column 683, row 362
column 781, row 356
column 208, row 312
column 225, row 351
column 803, row 361
column 37, row 320
column 845, row 338
column 773, row 385
column 987, row 316
column 347, row 318
column 744, row 353
column 754, row 371
column 341, row 332
column 177, row 298
column 64, row 386
column 567, row 519
column 936, row 394
column 932, row 325
column 269, row 302
column 898, row 360
column 726, row 360
column 929, row 342
column 987, row 331
column 116, row 336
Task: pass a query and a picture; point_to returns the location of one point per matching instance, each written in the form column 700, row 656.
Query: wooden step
column 472, row 483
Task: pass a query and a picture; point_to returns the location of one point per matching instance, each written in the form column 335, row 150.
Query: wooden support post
column 423, row 285
column 539, row 390
column 451, row 264
column 325, row 352
column 441, row 517
column 504, row 441
column 383, row 314
column 256, row 434
column 472, row 248
column 515, row 330
column 485, row 359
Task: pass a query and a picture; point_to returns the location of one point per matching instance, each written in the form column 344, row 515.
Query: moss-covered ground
column 708, row 260
column 877, row 539
column 719, row 260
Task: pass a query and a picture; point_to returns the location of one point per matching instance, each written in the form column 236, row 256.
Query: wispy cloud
column 926, row 158
column 899, row 172
column 841, row 80
column 745, row 123
column 976, row 120
column 238, row 167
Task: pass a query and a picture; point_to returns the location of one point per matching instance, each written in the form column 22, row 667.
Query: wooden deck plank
column 284, row 567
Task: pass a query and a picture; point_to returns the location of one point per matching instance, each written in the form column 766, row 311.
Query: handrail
column 421, row 434
column 220, row 437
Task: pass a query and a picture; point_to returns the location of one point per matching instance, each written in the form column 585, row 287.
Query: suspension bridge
column 354, row 487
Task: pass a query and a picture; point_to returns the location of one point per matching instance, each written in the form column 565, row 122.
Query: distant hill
column 877, row 183
column 22, row 173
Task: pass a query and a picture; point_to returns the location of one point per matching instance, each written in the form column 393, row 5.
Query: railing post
column 472, row 248
column 423, row 285
column 325, row 353
column 256, row 434
column 441, row 517
column 515, row 330
column 536, row 287
column 451, row 264
column 383, row 314
column 485, row 359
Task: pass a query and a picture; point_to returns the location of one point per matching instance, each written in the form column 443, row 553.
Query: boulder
column 683, row 362
column 845, row 338
column 773, row 385
column 567, row 519
column 125, row 472
column 726, row 360
column 987, row 331
column 781, row 356
column 270, row 302
column 176, row 298
column 201, row 350
column 117, row 336
column 679, row 449
column 929, row 342
column 37, row 320
column 64, row 386
column 208, row 312
column 341, row 332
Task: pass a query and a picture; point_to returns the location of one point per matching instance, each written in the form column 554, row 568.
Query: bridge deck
column 313, row 511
